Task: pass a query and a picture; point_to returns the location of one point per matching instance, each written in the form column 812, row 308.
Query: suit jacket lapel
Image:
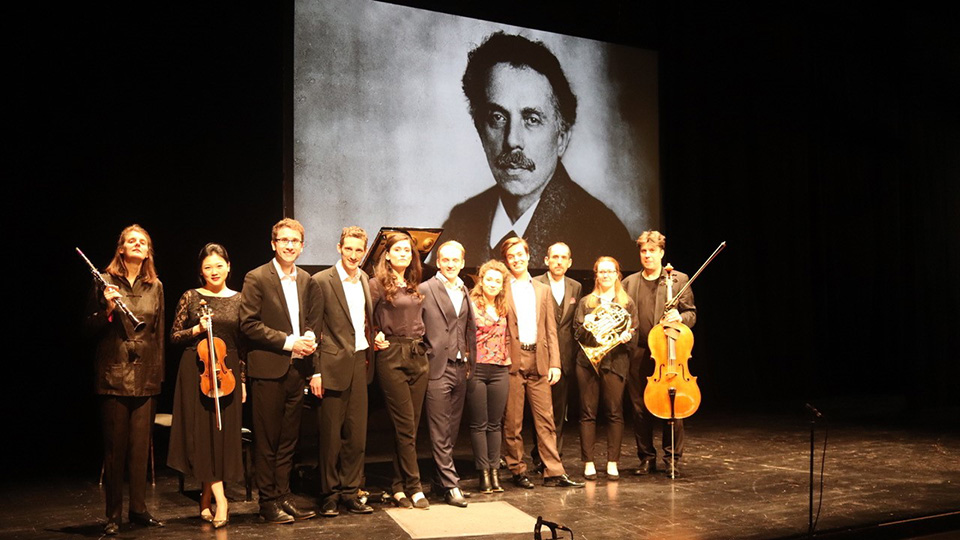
column 443, row 300
column 337, row 286
column 303, row 286
column 278, row 291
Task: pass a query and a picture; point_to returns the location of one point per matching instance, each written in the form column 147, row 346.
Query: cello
column 216, row 379
column 672, row 392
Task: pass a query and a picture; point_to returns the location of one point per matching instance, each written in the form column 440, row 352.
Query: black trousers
column 402, row 373
column 277, row 407
column 487, row 393
column 643, row 421
column 342, row 421
column 594, row 388
column 127, row 422
column 444, row 405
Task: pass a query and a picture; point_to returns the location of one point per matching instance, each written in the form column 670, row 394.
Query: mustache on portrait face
column 515, row 159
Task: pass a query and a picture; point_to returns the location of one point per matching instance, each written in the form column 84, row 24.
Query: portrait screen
column 557, row 141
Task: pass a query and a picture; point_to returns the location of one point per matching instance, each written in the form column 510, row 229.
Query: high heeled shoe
column 206, row 515
column 217, row 523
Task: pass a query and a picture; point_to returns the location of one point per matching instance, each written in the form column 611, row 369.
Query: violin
column 216, row 379
column 671, row 391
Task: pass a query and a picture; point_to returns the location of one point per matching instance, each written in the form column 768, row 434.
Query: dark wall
column 822, row 146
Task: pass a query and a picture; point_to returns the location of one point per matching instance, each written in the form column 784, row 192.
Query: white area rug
column 443, row 520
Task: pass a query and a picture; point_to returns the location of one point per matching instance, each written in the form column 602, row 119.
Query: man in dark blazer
column 342, row 371
column 276, row 315
column 451, row 335
column 648, row 289
column 566, row 293
column 524, row 111
column 535, row 366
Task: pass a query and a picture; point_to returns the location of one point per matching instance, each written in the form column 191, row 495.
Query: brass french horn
column 610, row 320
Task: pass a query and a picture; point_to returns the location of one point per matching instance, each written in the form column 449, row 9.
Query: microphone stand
column 814, row 414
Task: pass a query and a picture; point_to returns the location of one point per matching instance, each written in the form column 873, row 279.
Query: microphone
column 813, row 410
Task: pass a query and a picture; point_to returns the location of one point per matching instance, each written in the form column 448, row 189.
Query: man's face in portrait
column 520, row 129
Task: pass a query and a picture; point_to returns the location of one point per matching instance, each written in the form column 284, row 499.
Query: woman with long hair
column 401, row 358
column 487, row 389
column 197, row 446
column 129, row 370
column 608, row 376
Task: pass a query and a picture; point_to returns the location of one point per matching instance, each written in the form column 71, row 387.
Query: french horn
column 609, row 322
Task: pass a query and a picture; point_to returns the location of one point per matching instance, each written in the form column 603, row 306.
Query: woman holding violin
column 605, row 322
column 401, row 358
column 126, row 319
column 205, row 436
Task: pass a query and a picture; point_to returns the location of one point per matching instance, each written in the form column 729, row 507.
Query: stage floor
column 744, row 475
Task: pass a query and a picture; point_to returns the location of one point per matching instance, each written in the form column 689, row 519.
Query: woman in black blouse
column 197, row 447
column 129, row 370
column 401, row 359
column 609, row 377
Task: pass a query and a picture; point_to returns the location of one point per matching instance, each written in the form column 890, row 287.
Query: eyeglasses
column 289, row 241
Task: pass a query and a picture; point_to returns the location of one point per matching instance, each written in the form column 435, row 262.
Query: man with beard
column 524, row 110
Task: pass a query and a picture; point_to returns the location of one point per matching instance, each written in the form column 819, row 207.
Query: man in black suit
column 648, row 289
column 277, row 318
column 566, row 294
column 451, row 333
column 342, row 371
column 524, row 110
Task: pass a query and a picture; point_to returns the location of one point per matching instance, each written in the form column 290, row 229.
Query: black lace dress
column 197, row 448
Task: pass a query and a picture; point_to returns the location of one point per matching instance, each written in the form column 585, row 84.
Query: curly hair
column 476, row 294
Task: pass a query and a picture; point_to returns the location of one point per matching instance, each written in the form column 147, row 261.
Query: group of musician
column 434, row 346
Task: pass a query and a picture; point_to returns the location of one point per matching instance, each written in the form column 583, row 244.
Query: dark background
column 822, row 144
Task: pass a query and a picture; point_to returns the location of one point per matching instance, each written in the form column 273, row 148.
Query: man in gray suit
column 451, row 333
column 566, row 294
column 342, row 371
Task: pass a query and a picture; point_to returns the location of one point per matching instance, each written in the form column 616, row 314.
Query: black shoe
column 561, row 481
column 672, row 469
column 144, row 519
column 402, row 502
column 454, row 497
column 329, row 508
column 272, row 513
column 646, row 467
column 297, row 513
column 495, row 481
column 420, row 502
column 357, row 507
column 521, row 480
column 111, row 528
column 538, row 467
column 485, row 485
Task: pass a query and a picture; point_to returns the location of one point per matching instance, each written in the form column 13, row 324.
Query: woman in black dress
column 197, row 447
column 401, row 358
column 129, row 370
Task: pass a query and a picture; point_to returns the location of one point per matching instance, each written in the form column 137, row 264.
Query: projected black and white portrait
column 404, row 117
